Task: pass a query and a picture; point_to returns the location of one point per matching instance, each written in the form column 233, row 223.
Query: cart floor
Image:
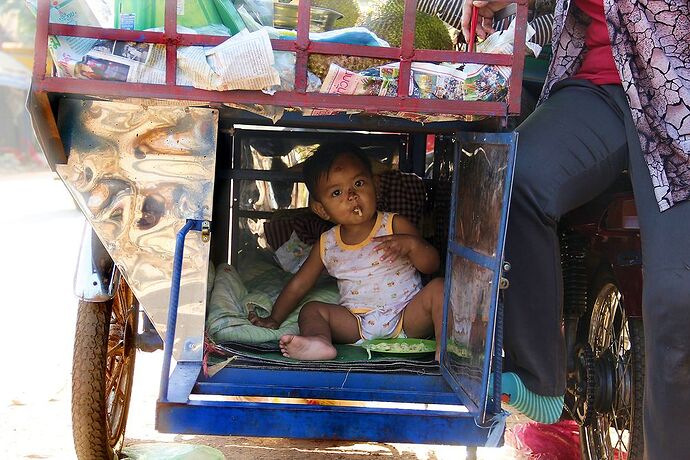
column 385, row 402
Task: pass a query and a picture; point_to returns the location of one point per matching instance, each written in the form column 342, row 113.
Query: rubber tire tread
column 637, row 343
column 88, row 381
column 636, row 330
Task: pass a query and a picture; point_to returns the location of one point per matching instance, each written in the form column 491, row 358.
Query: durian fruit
column 319, row 64
column 348, row 8
column 385, row 19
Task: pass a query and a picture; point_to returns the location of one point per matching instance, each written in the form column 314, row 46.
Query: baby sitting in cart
column 376, row 257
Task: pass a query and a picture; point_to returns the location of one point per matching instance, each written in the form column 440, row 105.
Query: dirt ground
column 40, row 231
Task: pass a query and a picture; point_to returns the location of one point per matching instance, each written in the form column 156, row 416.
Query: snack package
column 67, row 51
column 486, row 82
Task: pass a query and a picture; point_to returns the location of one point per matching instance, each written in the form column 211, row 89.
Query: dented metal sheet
column 138, row 173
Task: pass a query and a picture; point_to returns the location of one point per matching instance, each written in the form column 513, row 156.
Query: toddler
column 375, row 256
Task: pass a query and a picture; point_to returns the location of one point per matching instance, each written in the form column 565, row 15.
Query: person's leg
column 666, row 314
column 423, row 316
column 320, row 325
column 569, row 151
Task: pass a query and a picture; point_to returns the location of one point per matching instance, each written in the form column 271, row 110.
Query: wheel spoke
column 118, row 381
column 117, row 350
column 608, row 437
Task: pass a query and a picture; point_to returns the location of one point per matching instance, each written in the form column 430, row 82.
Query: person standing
column 616, row 97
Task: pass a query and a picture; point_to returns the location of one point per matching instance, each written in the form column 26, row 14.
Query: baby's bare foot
column 307, row 347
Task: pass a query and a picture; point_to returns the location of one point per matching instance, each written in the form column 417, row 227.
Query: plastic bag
column 75, row 13
column 172, row 451
column 284, row 63
column 260, row 10
column 536, row 441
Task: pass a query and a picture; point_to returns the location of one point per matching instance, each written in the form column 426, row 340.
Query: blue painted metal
column 320, row 422
column 182, row 381
column 487, row 402
column 360, row 386
column 375, row 381
column 173, row 304
column 473, row 256
column 497, row 363
column 494, row 354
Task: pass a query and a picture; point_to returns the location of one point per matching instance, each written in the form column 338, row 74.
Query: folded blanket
column 231, row 301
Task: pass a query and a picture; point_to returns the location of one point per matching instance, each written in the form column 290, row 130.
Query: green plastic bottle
column 147, row 14
column 229, row 15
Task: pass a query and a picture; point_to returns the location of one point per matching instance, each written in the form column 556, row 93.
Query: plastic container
column 147, row 14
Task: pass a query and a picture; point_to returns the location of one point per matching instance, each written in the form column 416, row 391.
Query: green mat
column 350, row 357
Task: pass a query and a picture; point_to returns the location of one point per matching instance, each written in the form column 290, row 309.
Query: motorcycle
column 602, row 280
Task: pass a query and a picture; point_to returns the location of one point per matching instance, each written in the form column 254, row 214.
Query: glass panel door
column 482, row 180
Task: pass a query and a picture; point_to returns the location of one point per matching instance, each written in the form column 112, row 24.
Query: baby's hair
column 318, row 165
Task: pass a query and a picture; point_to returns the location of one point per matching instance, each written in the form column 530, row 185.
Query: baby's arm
column 406, row 241
column 292, row 293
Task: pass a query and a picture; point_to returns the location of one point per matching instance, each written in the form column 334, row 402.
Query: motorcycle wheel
column 102, row 373
column 614, row 430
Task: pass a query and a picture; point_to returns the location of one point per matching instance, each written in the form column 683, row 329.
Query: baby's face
column 347, row 193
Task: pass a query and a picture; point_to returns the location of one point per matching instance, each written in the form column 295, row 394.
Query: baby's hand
column 267, row 322
column 394, row 246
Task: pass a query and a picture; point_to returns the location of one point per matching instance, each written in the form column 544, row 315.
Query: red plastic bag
column 536, row 441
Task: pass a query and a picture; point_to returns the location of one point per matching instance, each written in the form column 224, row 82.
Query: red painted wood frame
column 302, row 47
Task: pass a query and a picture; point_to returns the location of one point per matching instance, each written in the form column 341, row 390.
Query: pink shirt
column 597, row 66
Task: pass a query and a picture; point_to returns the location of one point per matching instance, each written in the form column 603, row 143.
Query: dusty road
column 40, row 230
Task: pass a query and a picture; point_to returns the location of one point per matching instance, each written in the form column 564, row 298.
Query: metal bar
column 172, row 306
column 327, row 48
column 41, row 40
column 407, row 47
column 494, row 337
column 182, row 381
column 317, row 100
column 497, row 368
column 257, row 174
column 346, row 122
column 171, row 42
column 302, row 45
column 320, row 422
column 247, row 213
column 235, row 200
column 326, row 393
column 416, row 161
column 394, row 53
column 473, row 29
column 460, row 56
column 428, row 383
column 473, row 256
column 515, row 91
column 471, row 453
column 45, row 127
column 107, row 34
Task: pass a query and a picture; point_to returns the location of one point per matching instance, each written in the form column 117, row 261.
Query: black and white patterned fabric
column 402, row 193
column 450, row 12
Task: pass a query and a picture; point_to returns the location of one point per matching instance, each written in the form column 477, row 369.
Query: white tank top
column 364, row 280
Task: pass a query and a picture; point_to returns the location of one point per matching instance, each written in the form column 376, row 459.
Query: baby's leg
column 423, row 316
column 320, row 325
